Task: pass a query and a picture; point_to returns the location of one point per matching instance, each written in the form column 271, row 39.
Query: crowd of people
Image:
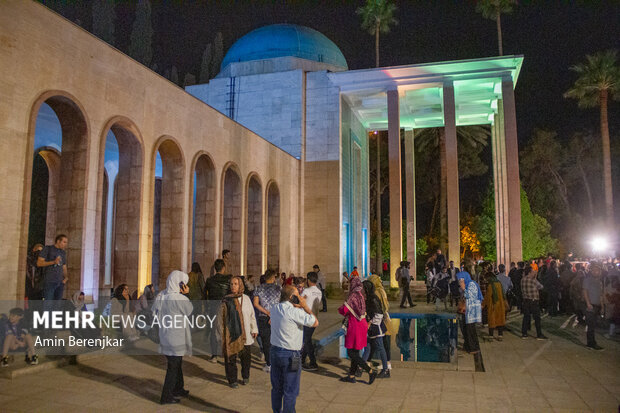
column 279, row 312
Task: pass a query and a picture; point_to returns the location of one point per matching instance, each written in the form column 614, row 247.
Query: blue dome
column 280, row 40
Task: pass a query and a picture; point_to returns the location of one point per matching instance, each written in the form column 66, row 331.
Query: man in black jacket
column 218, row 286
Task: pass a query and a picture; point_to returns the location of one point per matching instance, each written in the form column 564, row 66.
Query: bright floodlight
column 599, row 244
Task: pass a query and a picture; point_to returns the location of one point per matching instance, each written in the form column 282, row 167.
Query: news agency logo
column 86, row 320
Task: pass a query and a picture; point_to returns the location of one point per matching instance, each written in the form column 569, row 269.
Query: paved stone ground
column 521, row 376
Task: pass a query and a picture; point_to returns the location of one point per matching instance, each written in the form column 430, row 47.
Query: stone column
column 410, row 198
column 502, row 240
column 452, row 174
column 396, row 204
column 513, row 186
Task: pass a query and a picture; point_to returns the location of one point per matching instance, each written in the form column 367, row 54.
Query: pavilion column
column 513, row 186
column 452, row 174
column 502, row 240
column 410, row 198
column 396, row 206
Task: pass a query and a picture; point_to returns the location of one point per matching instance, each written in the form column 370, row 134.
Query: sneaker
column 384, row 374
column 389, row 366
column 213, row 359
column 500, row 338
column 4, row 362
column 267, row 369
column 542, row 337
column 34, row 360
column 245, row 381
column 372, row 376
column 234, row 385
column 524, row 336
column 348, row 379
column 170, row 401
column 310, row 367
column 595, row 347
column 358, row 372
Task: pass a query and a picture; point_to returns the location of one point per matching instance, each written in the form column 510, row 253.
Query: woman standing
column 174, row 342
column 495, row 305
column 377, row 328
column 471, row 316
column 354, row 311
column 385, row 306
column 239, row 330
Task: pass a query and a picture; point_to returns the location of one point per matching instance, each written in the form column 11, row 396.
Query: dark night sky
column 552, row 36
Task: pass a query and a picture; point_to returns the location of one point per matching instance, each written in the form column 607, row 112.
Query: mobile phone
column 181, row 285
column 295, row 299
column 295, row 362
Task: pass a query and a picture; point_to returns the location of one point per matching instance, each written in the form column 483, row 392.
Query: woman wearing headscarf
column 354, row 311
column 239, row 329
column 472, row 315
column 495, row 305
column 174, row 341
column 146, row 299
column 121, row 307
column 376, row 329
column 385, row 306
column 77, row 301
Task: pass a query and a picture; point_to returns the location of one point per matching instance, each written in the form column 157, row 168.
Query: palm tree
column 469, row 138
column 599, row 81
column 493, row 9
column 377, row 17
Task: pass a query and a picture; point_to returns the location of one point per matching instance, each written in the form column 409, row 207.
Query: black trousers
column 230, row 365
column 356, row 361
column 500, row 330
column 174, row 378
column 308, row 348
column 531, row 309
column 324, row 299
column 264, row 330
column 406, row 296
column 470, row 336
column 591, row 318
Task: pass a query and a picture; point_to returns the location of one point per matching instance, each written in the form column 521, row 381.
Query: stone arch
column 121, row 249
column 202, row 211
column 71, row 207
column 272, row 195
column 231, row 212
column 254, row 225
column 171, row 232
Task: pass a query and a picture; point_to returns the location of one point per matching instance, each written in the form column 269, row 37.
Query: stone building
column 269, row 159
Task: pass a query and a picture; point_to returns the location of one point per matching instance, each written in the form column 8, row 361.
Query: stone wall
column 45, row 58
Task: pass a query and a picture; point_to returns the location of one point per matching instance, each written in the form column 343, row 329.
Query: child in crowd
column 16, row 337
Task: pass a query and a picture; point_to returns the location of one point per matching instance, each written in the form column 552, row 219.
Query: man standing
column 312, row 295
column 53, row 260
column 516, row 278
column 287, row 321
column 405, row 280
column 266, row 296
column 440, row 262
column 503, row 279
column 227, row 262
column 321, row 284
column 531, row 309
column 592, row 294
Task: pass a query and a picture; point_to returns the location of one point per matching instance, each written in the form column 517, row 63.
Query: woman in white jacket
column 174, row 343
column 239, row 329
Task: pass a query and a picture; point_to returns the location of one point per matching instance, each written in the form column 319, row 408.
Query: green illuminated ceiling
column 477, row 87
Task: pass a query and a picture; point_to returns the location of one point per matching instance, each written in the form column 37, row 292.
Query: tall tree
column 205, row 65
column 141, row 40
column 493, row 9
column 598, row 82
column 104, row 18
column 218, row 54
column 377, row 17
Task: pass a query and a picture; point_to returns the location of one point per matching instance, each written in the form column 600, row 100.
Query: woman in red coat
column 355, row 339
